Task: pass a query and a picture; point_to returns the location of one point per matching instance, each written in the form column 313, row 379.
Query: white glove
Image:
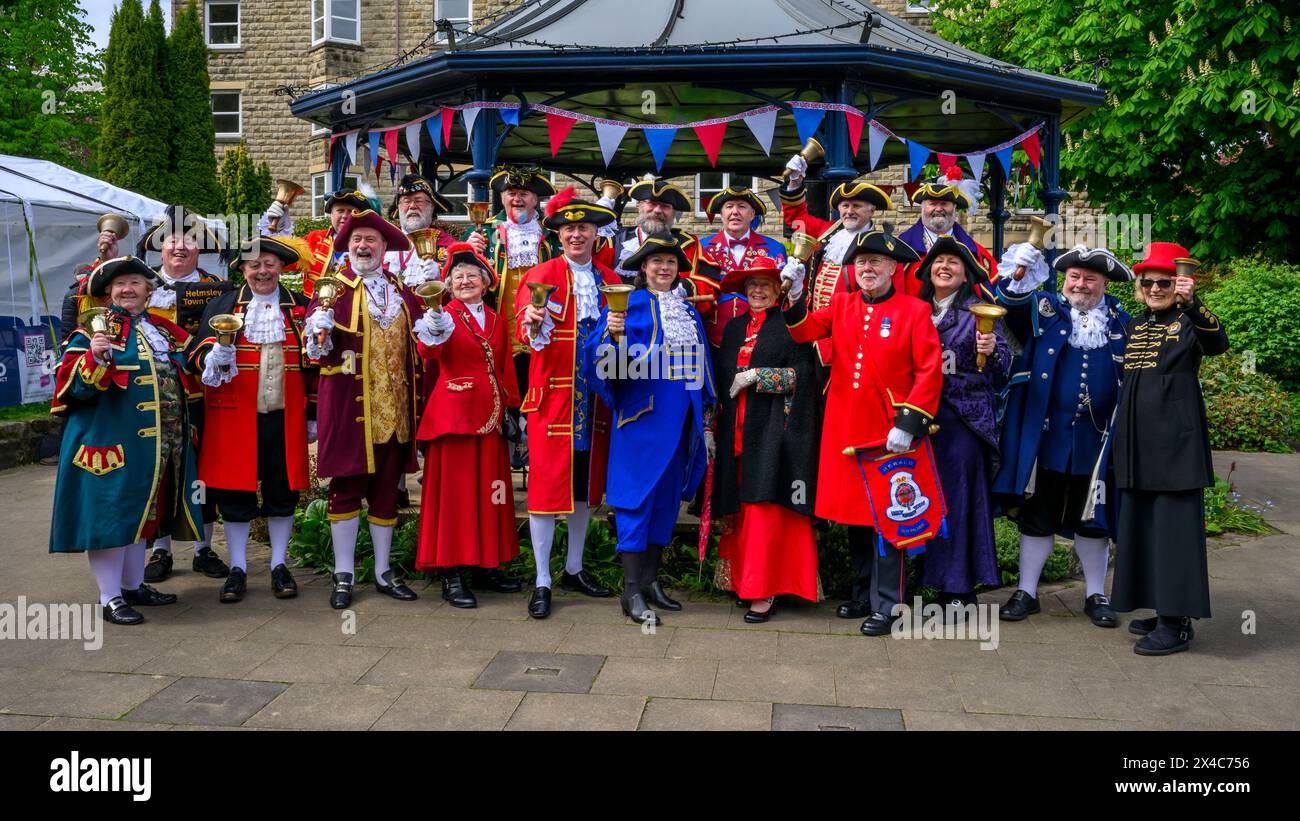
column 222, row 355
column 322, row 319
column 899, row 440
column 607, row 230
column 710, row 445
column 276, row 209
column 311, row 431
column 434, row 328
column 605, row 202
column 743, row 380
column 1036, row 268
column 798, row 170
column 794, row 273
column 420, row 271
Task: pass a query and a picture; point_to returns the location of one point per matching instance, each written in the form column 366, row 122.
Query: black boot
column 1173, row 634
column 654, row 589
column 633, row 600
column 454, row 590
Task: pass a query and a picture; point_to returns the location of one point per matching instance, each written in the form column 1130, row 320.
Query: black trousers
column 877, row 580
column 278, row 499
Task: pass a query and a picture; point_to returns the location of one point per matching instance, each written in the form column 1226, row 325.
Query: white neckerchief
column 943, row 305
column 157, row 342
column 584, row 289
column 385, row 303
column 839, row 243
column 263, row 320
column 480, row 315
column 523, row 242
column 165, row 297
column 1090, row 330
column 679, row 325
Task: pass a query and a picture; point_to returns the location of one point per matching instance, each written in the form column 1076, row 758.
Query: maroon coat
column 344, row 446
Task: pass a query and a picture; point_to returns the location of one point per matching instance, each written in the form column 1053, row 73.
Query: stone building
column 257, row 51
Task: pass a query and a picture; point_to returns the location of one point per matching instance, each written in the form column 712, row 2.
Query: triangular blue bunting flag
column 434, row 124
column 807, row 120
column 509, row 115
column 659, row 139
column 1004, row 157
column 917, row 154
column 373, row 137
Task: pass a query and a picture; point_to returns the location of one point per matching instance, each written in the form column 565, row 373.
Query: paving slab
column 804, row 718
column 540, row 672
column 207, row 701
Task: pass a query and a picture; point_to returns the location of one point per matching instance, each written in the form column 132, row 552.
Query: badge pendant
column 884, row 328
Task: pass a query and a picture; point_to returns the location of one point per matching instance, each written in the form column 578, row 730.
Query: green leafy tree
column 48, row 70
column 264, row 184
column 193, row 177
column 243, row 195
column 133, row 144
column 1202, row 112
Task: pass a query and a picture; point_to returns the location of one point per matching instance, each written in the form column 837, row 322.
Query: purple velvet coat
column 966, row 391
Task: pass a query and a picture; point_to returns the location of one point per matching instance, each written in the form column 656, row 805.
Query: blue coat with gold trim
column 650, row 407
column 109, row 461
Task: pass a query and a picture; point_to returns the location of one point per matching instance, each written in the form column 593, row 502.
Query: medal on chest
column 884, row 328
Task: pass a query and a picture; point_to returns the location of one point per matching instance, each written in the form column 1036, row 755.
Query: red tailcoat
column 228, row 452
column 344, row 441
column 550, row 395
column 886, row 372
column 756, row 245
column 321, row 242
column 476, row 377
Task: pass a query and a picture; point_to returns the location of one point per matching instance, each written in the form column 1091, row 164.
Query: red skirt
column 467, row 514
column 772, row 551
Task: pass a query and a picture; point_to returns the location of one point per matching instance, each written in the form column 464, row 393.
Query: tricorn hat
column 463, row 252
column 106, row 271
column 394, row 239
column 415, row 184
column 529, row 179
column 254, row 247
column 655, row 189
column 880, row 241
column 764, row 267
column 177, row 219
column 1107, row 264
column 861, row 190
column 976, row 273
column 719, row 199
column 564, row 209
column 662, row 242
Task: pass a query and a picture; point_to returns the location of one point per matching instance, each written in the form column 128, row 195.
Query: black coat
column 1161, row 438
column 779, row 461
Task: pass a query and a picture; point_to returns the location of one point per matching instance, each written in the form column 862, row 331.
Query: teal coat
column 109, row 460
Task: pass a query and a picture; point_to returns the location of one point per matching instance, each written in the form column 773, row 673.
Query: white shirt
column 585, row 295
column 1090, row 330
column 523, row 241
column 839, row 243
column 263, row 320
column 737, row 247
column 478, row 311
column 679, row 325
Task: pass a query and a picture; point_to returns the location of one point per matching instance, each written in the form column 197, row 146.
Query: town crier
column 940, row 201
column 416, row 206
column 326, row 253
column 735, row 248
column 569, row 427
column 885, row 382
column 259, row 397
column 180, row 237
column 855, row 203
column 366, row 400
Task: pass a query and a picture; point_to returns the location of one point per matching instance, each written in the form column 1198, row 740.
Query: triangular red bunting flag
column 329, row 153
column 1030, row 144
column 946, row 161
column 889, row 189
column 910, row 188
column 390, row 145
column 710, row 136
column 379, row 165
column 558, row 128
column 448, row 116
column 854, row 121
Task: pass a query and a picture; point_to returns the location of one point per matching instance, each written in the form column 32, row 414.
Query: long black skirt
column 1160, row 554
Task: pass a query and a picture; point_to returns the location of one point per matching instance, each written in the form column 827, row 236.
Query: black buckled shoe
column 236, row 583
column 390, row 585
column 583, row 582
column 1097, row 607
column 455, row 592
column 117, row 611
column 853, row 610
column 493, row 579
column 656, row 596
column 207, row 562
column 282, row 583
column 146, row 596
column 1140, row 627
column 342, row 595
column 539, row 603
column 1020, row 606
column 636, row 609
column 1170, row 636
column 159, row 566
column 752, row 617
column 878, row 624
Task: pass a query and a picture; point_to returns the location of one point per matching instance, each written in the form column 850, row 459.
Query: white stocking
column 382, row 536
column 107, row 567
column 344, row 534
column 133, row 566
column 577, row 536
column 237, row 542
column 1093, row 555
column 1034, row 551
column 280, row 527
column 542, row 529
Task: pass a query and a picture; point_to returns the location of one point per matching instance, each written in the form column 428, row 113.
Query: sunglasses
column 1152, row 284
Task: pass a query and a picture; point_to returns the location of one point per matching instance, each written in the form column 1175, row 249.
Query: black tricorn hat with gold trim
column 564, row 209
column 944, row 192
column 729, row 193
column 415, row 184
column 655, row 189
column 347, row 196
column 106, row 271
column 880, row 241
column 662, row 242
column 861, row 190
column 975, row 272
column 177, row 219
column 529, row 179
column 253, row 248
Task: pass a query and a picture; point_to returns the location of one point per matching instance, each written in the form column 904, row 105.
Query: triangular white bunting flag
column 469, row 115
column 413, row 140
column 610, row 136
column 350, row 143
column 976, row 165
column 762, row 125
column 875, row 143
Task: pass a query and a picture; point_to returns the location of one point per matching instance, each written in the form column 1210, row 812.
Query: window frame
column 238, row 112
column 327, row 29
column 318, row 200
column 440, row 37
column 726, row 183
column 238, row 24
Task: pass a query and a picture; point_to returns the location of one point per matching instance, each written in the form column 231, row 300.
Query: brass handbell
column 478, row 212
column 1038, row 229
column 616, row 297
column 96, row 319
column 1185, row 267
column 425, row 241
column 117, row 224
column 286, row 191
column 803, row 247
column 327, row 292
column 611, row 189
column 986, row 316
column 432, row 293
column 227, row 327
column 811, row 151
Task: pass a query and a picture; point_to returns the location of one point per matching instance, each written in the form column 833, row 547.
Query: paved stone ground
column 273, row 664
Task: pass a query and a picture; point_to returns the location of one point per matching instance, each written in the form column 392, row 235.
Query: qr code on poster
column 35, row 350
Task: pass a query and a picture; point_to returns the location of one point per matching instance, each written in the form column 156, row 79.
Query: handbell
column 1038, row 230
column 1185, row 267
column 811, row 151
column 327, row 292
column 541, row 291
column 117, row 224
column 286, row 191
column 986, row 316
column 94, row 318
column 616, row 297
column 227, row 327
column 611, row 189
column 432, row 293
column 478, row 212
column 425, row 241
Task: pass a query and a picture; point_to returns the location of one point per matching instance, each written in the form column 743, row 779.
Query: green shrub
column 1225, row 512
column 1258, row 303
column 305, row 225
column 1246, row 410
